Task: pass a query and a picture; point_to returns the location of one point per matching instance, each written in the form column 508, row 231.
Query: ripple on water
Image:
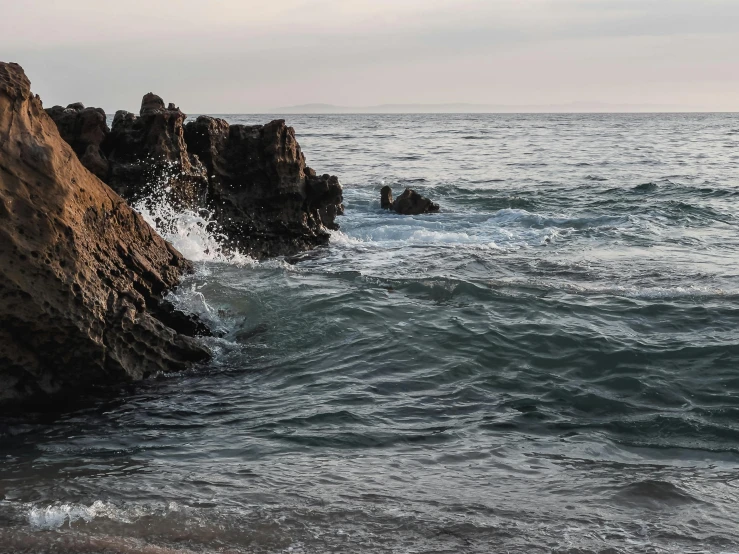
column 547, row 365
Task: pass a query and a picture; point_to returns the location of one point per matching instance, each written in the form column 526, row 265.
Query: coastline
column 83, row 288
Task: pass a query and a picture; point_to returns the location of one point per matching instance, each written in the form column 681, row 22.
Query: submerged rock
column 265, row 199
column 408, row 203
column 84, row 129
column 81, row 274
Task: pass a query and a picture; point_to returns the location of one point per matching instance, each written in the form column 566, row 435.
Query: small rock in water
column 408, row 203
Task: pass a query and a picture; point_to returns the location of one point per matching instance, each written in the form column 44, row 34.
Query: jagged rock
column 151, row 103
column 265, row 199
column 81, row 274
column 325, row 195
column 408, row 203
column 85, row 130
column 207, row 137
column 412, row 203
column 149, row 151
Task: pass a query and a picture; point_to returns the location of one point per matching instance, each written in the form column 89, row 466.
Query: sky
column 243, row 56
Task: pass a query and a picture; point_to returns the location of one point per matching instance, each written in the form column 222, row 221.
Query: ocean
column 549, row 364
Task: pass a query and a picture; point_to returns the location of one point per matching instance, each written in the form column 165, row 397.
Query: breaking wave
column 195, row 233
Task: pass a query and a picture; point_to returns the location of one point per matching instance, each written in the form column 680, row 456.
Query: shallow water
column 548, row 365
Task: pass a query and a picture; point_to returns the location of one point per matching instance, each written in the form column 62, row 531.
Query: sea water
column 549, row 364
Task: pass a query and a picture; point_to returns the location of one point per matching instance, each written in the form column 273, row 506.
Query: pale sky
column 240, row 56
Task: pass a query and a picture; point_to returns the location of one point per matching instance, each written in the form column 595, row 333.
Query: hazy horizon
column 243, row 57
column 462, row 108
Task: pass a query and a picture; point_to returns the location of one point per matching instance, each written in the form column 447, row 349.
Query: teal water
column 550, row 364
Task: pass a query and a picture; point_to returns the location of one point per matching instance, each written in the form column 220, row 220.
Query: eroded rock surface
column 149, row 150
column 81, row 274
column 266, row 200
column 84, row 129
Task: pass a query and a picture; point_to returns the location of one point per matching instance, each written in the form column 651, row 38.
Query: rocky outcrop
column 408, row 203
column 253, row 179
column 84, row 129
column 149, row 150
column 264, row 197
column 81, row 274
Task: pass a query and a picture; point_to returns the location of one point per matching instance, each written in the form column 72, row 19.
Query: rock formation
column 149, row 150
column 253, row 179
column 84, row 129
column 265, row 199
column 81, row 274
column 408, row 203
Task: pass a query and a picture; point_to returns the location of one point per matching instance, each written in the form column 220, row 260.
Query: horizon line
column 471, row 108
column 543, row 112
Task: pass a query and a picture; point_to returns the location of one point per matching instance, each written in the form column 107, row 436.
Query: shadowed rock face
column 150, row 149
column 84, row 129
column 408, row 203
column 412, row 203
column 266, row 200
column 252, row 178
column 81, row 274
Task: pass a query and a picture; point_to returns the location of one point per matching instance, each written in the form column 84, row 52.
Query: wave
column 626, row 290
column 527, row 164
column 506, row 229
column 668, row 187
column 408, row 157
column 411, row 236
column 634, row 291
column 654, row 494
column 646, row 187
column 54, row 516
column 194, row 233
column 525, row 218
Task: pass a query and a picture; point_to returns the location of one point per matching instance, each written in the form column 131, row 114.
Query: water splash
column 195, row 233
column 197, row 236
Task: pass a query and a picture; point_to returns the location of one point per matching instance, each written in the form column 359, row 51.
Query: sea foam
column 195, row 233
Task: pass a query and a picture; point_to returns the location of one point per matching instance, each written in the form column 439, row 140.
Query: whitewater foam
column 57, row 515
column 413, row 236
column 635, row 291
column 195, row 233
column 529, row 219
